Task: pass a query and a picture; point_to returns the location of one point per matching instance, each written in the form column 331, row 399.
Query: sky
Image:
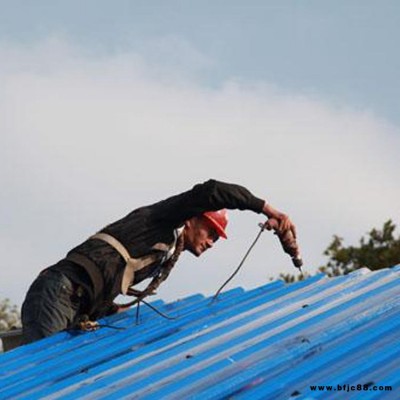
column 109, row 106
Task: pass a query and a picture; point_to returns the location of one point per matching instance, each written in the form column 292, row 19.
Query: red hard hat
column 218, row 220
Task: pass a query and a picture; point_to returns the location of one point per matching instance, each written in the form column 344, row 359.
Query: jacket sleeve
column 208, row 196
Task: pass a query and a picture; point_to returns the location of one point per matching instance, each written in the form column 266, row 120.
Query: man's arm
column 208, row 196
column 214, row 195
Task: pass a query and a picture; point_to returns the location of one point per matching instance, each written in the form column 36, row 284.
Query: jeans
column 51, row 305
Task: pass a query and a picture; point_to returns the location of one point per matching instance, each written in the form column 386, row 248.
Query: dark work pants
column 51, row 305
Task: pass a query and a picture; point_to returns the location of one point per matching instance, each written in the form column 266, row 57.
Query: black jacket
column 141, row 229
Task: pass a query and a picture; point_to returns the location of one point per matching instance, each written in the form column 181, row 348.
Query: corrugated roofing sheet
column 273, row 342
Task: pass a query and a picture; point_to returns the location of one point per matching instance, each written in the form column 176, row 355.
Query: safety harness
column 132, row 265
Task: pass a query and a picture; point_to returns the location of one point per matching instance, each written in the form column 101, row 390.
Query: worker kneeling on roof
column 144, row 244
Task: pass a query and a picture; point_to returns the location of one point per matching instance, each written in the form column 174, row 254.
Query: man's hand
column 283, row 223
column 284, row 228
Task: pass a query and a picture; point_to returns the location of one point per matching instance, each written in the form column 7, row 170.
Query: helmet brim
column 215, row 225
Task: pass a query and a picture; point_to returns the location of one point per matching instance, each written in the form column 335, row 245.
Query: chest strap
column 132, row 264
column 115, row 243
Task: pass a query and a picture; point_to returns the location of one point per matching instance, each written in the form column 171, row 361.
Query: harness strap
column 113, row 242
column 94, row 274
column 132, row 264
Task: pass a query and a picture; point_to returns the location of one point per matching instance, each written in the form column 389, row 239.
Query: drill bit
column 298, row 262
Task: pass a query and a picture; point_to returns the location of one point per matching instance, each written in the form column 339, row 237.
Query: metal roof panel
column 275, row 341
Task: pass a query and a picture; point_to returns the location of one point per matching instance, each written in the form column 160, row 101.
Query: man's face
column 199, row 235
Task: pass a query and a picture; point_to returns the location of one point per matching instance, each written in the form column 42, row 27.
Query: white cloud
column 86, row 139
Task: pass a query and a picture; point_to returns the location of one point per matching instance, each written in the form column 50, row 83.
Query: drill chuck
column 297, row 261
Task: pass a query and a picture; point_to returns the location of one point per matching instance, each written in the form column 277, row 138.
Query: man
column 144, row 244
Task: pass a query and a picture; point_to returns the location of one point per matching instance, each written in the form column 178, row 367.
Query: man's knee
column 40, row 319
column 48, row 308
column 33, row 332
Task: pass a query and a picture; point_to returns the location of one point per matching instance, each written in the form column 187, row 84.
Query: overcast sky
column 108, row 106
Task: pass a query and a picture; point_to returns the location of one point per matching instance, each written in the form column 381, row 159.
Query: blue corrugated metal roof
column 273, row 342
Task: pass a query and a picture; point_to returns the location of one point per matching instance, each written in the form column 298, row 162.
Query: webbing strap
column 113, row 242
column 94, row 274
column 132, row 264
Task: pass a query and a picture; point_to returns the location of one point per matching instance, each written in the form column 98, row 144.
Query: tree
column 9, row 315
column 289, row 278
column 380, row 249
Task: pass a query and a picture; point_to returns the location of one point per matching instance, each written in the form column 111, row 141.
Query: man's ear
column 191, row 223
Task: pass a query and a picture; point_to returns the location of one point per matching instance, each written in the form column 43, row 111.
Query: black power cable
column 240, row 265
column 296, row 259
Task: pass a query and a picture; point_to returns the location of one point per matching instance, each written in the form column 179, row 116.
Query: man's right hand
column 283, row 227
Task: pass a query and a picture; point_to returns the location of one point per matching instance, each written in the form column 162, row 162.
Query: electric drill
column 288, row 242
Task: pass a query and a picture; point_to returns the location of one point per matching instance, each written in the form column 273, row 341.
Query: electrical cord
column 154, row 309
column 240, row 265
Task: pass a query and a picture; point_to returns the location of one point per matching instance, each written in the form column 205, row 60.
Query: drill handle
column 287, row 240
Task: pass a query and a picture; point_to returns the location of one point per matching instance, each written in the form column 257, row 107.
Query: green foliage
column 380, row 249
column 9, row 316
column 288, row 278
